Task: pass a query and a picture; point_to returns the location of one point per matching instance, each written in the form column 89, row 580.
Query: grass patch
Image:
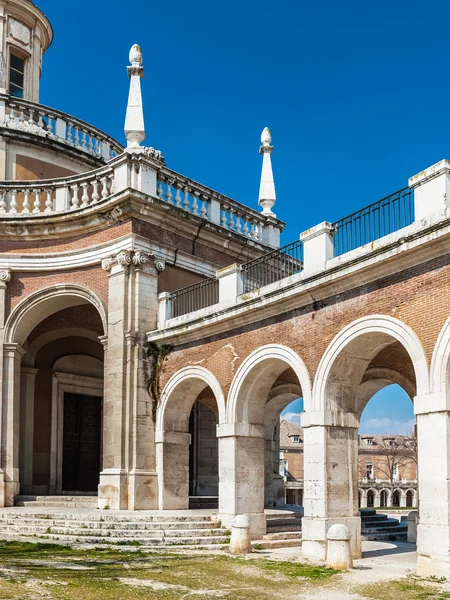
column 295, row 569
column 407, row 589
column 52, row 571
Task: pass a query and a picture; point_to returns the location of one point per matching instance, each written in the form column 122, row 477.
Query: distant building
column 387, row 468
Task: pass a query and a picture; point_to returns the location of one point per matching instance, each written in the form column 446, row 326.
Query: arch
column 38, row 306
column 187, row 384
column 410, row 498
column 439, row 371
column 384, row 498
column 268, row 360
column 379, row 329
column 370, row 495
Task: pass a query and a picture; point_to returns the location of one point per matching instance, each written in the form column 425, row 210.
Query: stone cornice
column 418, row 243
column 91, row 256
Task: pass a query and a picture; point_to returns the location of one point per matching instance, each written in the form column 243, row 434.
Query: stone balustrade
column 25, row 198
column 200, row 200
column 43, row 121
column 145, row 173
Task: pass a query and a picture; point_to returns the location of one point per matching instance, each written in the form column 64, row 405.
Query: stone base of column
column 314, row 536
column 142, row 490
column 2, row 490
column 11, row 485
column 113, row 489
column 258, row 524
column 433, row 543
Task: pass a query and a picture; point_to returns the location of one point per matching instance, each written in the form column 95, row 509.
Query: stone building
column 152, row 329
column 387, row 468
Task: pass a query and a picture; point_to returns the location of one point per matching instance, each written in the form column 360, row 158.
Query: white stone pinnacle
column 267, row 196
column 134, row 120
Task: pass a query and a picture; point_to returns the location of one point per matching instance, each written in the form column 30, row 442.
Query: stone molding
column 440, row 168
column 125, row 258
column 383, row 324
column 268, row 352
column 5, row 276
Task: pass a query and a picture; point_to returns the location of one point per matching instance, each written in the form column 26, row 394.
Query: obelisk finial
column 134, row 120
column 267, row 196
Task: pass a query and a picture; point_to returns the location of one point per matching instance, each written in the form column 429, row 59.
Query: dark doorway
column 81, row 443
column 370, row 499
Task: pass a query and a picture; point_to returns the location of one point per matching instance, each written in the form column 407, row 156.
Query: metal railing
column 194, row 297
column 272, row 267
column 375, row 221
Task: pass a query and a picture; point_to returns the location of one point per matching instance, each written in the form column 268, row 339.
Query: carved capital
column 140, row 258
column 5, row 275
column 124, row 258
column 160, row 264
column 107, row 263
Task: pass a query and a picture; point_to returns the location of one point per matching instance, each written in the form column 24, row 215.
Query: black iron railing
column 194, row 297
column 272, row 267
column 375, row 221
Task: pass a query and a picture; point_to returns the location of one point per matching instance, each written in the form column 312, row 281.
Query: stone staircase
column 200, row 502
column 379, row 527
column 76, row 520
column 102, row 527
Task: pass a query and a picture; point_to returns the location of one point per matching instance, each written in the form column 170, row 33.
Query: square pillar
column 12, row 357
column 241, row 475
column 431, row 190
column 330, row 480
column 230, row 282
column 318, row 247
column 129, row 479
column 27, row 387
column 172, row 451
column 433, row 437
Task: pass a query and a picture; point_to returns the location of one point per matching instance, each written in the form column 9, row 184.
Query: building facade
column 387, row 467
column 152, row 329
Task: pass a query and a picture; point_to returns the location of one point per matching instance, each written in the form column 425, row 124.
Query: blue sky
column 389, row 411
column 356, row 94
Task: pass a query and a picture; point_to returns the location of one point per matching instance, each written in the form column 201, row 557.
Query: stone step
column 106, row 516
column 125, row 533
column 377, row 517
column 111, row 525
column 207, row 502
column 382, row 530
column 283, row 522
column 284, row 528
column 146, row 542
column 286, row 535
column 55, row 504
column 272, row 544
column 389, row 537
column 384, row 523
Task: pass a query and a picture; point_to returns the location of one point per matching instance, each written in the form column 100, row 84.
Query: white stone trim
column 91, row 256
column 193, row 372
column 16, row 330
column 269, row 351
column 370, row 324
column 74, row 384
column 440, row 360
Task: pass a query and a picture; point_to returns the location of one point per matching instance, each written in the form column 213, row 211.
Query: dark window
column 16, row 76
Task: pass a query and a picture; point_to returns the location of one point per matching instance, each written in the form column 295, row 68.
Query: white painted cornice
column 94, row 255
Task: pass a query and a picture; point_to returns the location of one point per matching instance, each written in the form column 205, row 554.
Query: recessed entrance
column 81, row 443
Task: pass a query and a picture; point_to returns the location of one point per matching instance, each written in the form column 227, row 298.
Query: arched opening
column 204, row 452
column 388, row 439
column 291, row 457
column 370, row 499
column 409, row 499
column 396, row 498
column 54, row 372
column 363, row 358
column 266, row 382
column 187, row 457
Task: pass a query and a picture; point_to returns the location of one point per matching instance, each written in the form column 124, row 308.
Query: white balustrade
column 200, row 201
column 20, row 198
column 40, row 120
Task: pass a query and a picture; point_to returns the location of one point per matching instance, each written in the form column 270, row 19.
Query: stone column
column 331, row 480
column 403, row 498
column 363, row 499
column 172, row 449
column 128, row 479
column 112, row 489
column 142, row 479
column 377, row 499
column 433, row 436
column 28, row 377
column 5, row 277
column 241, row 474
column 12, row 357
